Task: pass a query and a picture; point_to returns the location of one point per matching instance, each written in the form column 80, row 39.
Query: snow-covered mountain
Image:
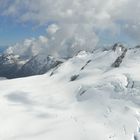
column 16, row 63
column 92, row 96
column 9, row 65
column 39, row 64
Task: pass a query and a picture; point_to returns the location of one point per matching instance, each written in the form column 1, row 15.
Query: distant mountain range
column 26, row 61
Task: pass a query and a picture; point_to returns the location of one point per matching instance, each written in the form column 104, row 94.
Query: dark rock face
column 39, row 64
column 117, row 45
column 8, row 71
column 10, row 66
column 119, row 60
column 138, row 47
column 74, row 77
column 86, row 64
column 7, row 59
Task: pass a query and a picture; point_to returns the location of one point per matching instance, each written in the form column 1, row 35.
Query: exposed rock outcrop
column 119, row 60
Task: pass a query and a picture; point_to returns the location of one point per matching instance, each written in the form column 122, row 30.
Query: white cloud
column 68, row 40
column 100, row 13
column 78, row 20
column 52, row 29
column 29, row 47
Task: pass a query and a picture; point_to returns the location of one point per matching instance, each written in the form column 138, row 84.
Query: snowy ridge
column 100, row 103
column 39, row 64
column 14, row 66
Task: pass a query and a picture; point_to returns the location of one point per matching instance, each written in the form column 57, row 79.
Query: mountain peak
column 118, row 46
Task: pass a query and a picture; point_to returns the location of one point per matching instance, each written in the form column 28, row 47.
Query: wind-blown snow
column 103, row 103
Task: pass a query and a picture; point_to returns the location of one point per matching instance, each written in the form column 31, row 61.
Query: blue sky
column 12, row 31
column 26, row 19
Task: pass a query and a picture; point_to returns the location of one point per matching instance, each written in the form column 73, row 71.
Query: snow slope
column 85, row 98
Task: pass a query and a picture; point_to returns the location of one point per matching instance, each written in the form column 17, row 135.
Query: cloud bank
column 76, row 23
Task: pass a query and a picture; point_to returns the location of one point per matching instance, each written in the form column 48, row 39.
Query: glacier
column 102, row 102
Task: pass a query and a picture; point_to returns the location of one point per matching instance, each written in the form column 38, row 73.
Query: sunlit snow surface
column 103, row 103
